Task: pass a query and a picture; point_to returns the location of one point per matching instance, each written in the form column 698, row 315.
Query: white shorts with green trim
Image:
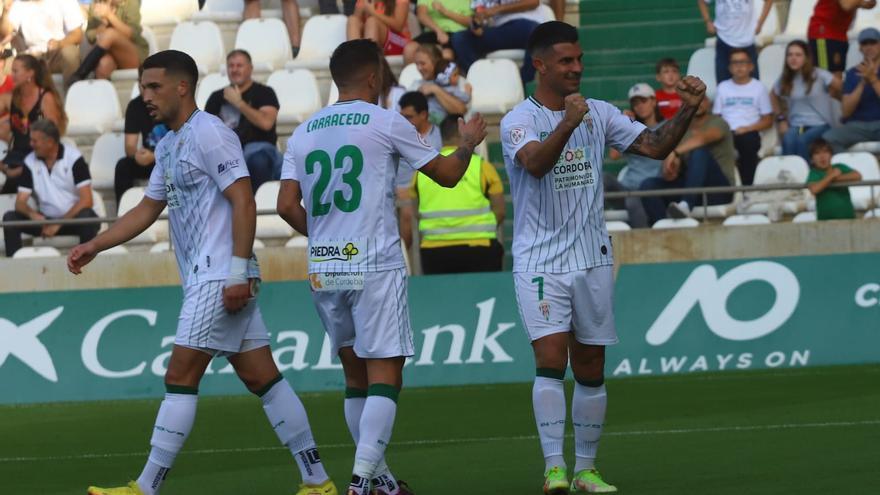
column 205, row 324
column 581, row 302
column 367, row 311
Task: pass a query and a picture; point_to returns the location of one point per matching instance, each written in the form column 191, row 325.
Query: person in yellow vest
column 458, row 226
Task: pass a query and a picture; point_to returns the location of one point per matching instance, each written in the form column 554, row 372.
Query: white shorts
column 205, row 324
column 373, row 317
column 581, row 302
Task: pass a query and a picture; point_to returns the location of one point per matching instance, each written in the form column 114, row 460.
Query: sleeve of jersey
column 620, row 130
column 288, row 168
column 222, row 157
column 26, row 180
column 156, row 187
column 81, row 175
column 517, row 130
column 414, row 150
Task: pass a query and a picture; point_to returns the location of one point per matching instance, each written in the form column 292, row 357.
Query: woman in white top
column 802, row 100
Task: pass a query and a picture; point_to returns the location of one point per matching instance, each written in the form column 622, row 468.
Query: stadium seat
column 612, row 215
column 867, row 165
column 720, row 211
column 92, row 107
column 203, row 42
column 298, row 94
column 298, row 241
column 109, row 149
column 4, row 147
column 865, row 18
column 799, row 13
column 771, row 61
column 320, row 36
column 154, row 233
column 37, row 252
column 496, row 84
column 115, row 250
column 270, row 226
column 676, row 223
column 868, row 146
column 804, row 217
column 615, row 226
column 409, row 75
column 258, row 244
column 779, row 170
column 267, row 42
column 221, row 10
column 754, row 219
column 209, row 84
column 769, row 143
column 160, row 247
column 167, row 11
column 853, row 56
column 333, row 97
column 702, row 65
column 875, row 213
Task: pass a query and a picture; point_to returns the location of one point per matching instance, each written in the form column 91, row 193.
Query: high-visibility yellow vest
column 459, row 213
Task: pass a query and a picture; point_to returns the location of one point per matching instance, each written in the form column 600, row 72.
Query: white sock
column 377, row 422
column 385, row 480
column 173, row 424
column 291, row 423
column 354, row 407
column 548, row 400
column 588, row 416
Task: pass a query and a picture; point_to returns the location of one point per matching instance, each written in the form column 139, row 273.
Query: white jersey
column 558, row 220
column 194, row 165
column 345, row 158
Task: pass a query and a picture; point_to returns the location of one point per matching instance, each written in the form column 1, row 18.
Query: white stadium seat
column 298, row 241
column 853, row 56
column 37, row 252
column 804, row 217
column 154, row 233
column 799, row 13
column 702, row 65
column 724, row 210
column 267, row 42
column 221, row 10
column 676, row 223
column 270, row 226
column 771, row 169
column 746, row 220
column 875, row 213
column 298, row 94
column 866, row 164
column 160, row 247
column 203, row 42
column 615, row 226
column 150, row 37
column 771, row 61
column 167, row 11
column 115, row 250
column 209, row 84
column 258, row 244
column 409, row 75
column 865, row 18
column 333, row 97
column 109, row 149
column 92, row 107
column 320, row 36
column 779, row 170
column 496, row 84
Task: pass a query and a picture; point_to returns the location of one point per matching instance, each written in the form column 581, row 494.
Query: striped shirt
column 194, row 165
column 559, row 223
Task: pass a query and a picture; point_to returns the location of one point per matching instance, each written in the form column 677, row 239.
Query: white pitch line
column 453, row 441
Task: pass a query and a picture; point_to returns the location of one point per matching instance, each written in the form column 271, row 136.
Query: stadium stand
column 616, row 226
column 209, row 84
column 37, row 252
column 156, row 232
column 92, row 107
column 299, row 96
column 109, row 149
column 865, row 164
column 676, row 223
column 755, row 219
column 799, row 12
column 804, row 217
column 270, row 226
column 267, row 42
column 496, row 86
column 203, row 41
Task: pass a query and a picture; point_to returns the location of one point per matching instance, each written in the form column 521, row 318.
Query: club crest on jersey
column 589, row 121
column 517, row 134
column 544, row 307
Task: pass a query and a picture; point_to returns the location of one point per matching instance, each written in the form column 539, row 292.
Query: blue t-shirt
column 868, row 109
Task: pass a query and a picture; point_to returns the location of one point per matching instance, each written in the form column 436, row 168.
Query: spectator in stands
column 440, row 83
column 59, row 178
column 326, row 7
column 498, row 25
column 7, row 84
column 668, row 75
column 831, row 203
column 383, row 21
column 114, row 28
column 142, row 135
column 50, row 30
column 413, row 106
column 801, row 99
column 861, row 105
column 251, row 110
column 290, row 15
column 459, row 225
column 827, row 32
column 735, row 27
column 644, row 107
column 34, row 97
column 705, row 157
column 389, row 97
column 745, row 104
column 442, row 19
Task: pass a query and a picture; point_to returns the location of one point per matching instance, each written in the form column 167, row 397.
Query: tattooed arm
column 660, row 142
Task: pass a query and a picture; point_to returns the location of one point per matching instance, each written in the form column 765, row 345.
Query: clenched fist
column 575, row 109
column 692, row 90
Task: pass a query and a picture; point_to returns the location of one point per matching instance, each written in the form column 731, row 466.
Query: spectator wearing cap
column 827, row 32
column 459, row 225
column 705, row 157
column 59, row 179
column 860, row 104
column 251, row 110
column 645, row 108
column 51, row 30
column 735, row 28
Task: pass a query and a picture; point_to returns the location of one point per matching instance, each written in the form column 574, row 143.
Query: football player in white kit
column 553, row 144
column 201, row 176
column 342, row 163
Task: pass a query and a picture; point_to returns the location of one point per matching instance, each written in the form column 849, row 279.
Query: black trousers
column 747, row 146
column 12, row 235
column 128, row 171
column 462, row 259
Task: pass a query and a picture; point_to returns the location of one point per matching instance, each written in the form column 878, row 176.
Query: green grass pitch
column 814, row 430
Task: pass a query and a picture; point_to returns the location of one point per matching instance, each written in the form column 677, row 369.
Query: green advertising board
column 671, row 318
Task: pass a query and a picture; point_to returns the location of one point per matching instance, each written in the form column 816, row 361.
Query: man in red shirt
column 668, row 75
column 827, row 32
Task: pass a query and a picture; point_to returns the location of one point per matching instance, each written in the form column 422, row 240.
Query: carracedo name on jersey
column 336, row 251
column 573, row 170
column 338, row 119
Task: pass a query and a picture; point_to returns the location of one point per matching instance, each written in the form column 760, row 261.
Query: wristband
column 237, row 271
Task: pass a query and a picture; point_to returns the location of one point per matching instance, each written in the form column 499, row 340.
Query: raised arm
column 539, row 157
column 448, row 170
column 658, row 143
